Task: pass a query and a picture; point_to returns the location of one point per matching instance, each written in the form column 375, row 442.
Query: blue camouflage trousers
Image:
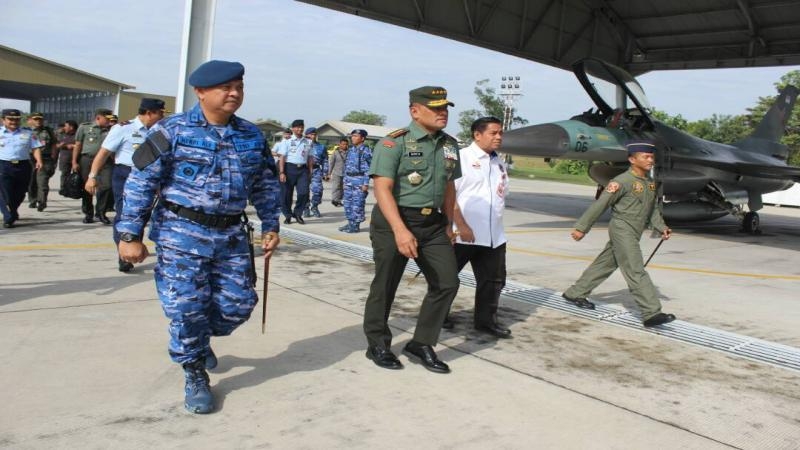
column 354, row 200
column 204, row 296
column 316, row 187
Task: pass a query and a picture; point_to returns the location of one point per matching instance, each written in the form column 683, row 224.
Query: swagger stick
column 264, row 294
column 654, row 252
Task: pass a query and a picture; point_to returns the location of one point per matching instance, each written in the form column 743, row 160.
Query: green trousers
column 438, row 263
column 622, row 251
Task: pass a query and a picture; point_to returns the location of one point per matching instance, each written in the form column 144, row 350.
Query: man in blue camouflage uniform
column 356, row 181
column 204, row 165
column 319, row 156
column 16, row 147
column 122, row 140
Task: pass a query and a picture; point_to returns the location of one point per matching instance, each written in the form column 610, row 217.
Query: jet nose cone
column 546, row 140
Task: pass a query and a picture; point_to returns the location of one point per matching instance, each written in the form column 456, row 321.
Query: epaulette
column 122, row 124
column 397, row 133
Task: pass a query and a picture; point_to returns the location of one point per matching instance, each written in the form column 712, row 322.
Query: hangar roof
column 638, row 35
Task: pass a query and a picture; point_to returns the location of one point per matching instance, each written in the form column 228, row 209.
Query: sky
column 303, row 61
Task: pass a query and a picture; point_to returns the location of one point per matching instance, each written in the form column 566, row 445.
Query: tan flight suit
column 633, row 208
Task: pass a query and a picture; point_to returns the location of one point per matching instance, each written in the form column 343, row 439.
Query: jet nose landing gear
column 751, row 223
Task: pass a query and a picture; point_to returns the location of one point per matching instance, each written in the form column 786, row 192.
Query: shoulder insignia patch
column 652, row 186
column 612, row 187
column 387, row 143
column 398, row 133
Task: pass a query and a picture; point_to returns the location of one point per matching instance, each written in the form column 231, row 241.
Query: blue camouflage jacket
column 186, row 161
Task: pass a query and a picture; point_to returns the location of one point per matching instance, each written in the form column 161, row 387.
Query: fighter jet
column 698, row 179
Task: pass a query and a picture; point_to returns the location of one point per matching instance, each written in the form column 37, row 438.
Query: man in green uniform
column 413, row 170
column 632, row 198
column 40, row 180
column 87, row 143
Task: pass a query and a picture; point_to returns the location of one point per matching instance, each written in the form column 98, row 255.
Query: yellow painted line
column 672, row 268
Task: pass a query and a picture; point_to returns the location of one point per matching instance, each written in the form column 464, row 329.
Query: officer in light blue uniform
column 122, row 140
column 295, row 172
column 319, row 156
column 204, row 165
column 356, row 181
column 16, row 147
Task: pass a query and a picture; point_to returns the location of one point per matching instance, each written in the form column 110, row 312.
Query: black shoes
column 287, row 220
column 427, row 357
column 125, row 266
column 103, row 219
column 41, row 206
column 580, row 302
column 659, row 319
column 448, row 323
column 8, row 225
column 384, row 358
column 88, row 219
column 299, row 219
column 337, row 204
column 33, row 204
column 494, row 329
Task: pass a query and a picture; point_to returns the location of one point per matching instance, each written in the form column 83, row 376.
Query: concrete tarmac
column 86, row 366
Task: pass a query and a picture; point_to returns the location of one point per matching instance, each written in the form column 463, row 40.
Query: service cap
column 214, row 72
column 36, row 115
column 151, row 104
column 644, row 146
column 431, row 96
column 103, row 112
column 12, row 114
column 113, row 117
column 363, row 133
column 298, row 123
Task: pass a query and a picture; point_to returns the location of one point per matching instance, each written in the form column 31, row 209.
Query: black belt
column 420, row 211
column 14, row 161
column 299, row 166
column 209, row 220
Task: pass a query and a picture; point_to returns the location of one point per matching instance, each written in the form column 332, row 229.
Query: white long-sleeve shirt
column 480, row 193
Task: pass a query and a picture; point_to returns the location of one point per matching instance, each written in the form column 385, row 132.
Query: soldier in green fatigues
column 413, row 170
column 88, row 140
column 632, row 198
column 40, row 180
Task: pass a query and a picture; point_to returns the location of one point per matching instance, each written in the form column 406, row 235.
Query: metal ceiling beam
column 469, row 18
column 536, row 23
column 420, row 14
column 576, row 37
column 488, row 16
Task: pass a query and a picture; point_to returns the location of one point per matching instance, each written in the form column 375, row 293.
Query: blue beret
column 151, row 104
column 310, row 130
column 363, row 133
column 216, row 72
column 644, row 146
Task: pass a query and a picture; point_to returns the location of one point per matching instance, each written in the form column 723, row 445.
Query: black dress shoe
column 125, row 266
column 448, row 323
column 33, row 204
column 103, row 219
column 8, row 225
column 299, row 219
column 88, row 219
column 384, row 358
column 287, row 220
column 659, row 319
column 495, row 330
column 580, row 302
column 41, row 206
column 426, row 356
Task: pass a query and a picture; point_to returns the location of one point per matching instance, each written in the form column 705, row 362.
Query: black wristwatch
column 129, row 237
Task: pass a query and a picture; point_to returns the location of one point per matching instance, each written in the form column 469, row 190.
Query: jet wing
column 747, row 168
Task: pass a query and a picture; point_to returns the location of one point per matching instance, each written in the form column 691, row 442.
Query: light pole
column 510, row 89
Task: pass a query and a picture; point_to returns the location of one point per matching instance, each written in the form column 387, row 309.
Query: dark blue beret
column 363, row 133
column 644, row 146
column 216, row 72
column 310, row 130
column 151, row 104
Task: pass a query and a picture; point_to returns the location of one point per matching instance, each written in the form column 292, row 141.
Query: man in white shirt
column 478, row 221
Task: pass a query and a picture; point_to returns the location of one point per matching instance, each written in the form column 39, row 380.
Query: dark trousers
column 103, row 187
column 39, row 186
column 489, row 267
column 65, row 166
column 296, row 178
column 438, row 263
column 14, row 180
column 118, row 178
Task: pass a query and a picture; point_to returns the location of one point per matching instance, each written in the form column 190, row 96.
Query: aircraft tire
column 751, row 223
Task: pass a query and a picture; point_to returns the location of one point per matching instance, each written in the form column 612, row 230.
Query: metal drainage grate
column 731, row 343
